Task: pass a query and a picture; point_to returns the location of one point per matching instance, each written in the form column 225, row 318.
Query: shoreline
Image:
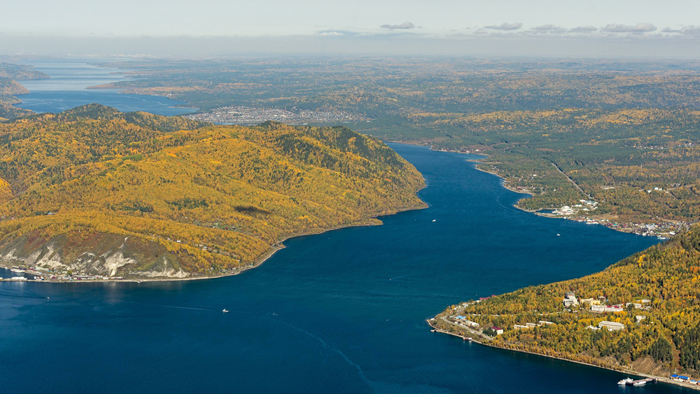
column 476, row 166
column 537, row 211
column 274, row 248
column 661, row 379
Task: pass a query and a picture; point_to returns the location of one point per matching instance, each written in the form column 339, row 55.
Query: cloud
column 339, row 33
column 638, row 28
column 687, row 30
column 549, row 29
column 583, row 29
column 402, row 26
column 505, row 26
column 691, row 30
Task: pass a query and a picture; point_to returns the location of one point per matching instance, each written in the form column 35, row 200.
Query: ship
column 625, row 382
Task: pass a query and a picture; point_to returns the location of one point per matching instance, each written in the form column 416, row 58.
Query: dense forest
column 182, row 196
column 657, row 290
column 621, row 130
column 637, row 163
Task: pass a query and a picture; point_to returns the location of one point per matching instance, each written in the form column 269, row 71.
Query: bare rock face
column 115, row 260
column 166, row 271
column 106, row 255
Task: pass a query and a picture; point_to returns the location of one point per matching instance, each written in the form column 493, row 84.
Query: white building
column 611, row 325
column 570, row 299
column 606, row 309
column 590, row 301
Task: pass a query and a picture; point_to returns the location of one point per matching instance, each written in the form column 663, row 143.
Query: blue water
column 68, row 85
column 341, row 312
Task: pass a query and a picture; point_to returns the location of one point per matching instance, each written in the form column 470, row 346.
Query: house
column 543, row 322
column 565, row 210
column 590, row 301
column 520, row 327
column 611, row 325
column 463, row 320
column 498, row 330
column 570, row 299
column 530, row 325
column 606, row 309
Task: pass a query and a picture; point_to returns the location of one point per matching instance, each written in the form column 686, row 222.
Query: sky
column 668, row 28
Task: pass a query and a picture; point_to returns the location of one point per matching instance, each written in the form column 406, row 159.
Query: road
column 572, row 182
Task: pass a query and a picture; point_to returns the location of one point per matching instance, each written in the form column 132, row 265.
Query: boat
column 225, row 311
column 642, row 382
column 625, row 382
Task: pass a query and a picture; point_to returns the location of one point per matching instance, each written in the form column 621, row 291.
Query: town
column 242, row 115
column 661, row 228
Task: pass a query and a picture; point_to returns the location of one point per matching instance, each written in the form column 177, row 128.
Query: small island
column 640, row 316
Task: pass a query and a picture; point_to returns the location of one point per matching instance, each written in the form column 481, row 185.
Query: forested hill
column 658, row 295
column 94, row 191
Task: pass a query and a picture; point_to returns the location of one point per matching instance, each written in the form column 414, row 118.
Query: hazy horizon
column 187, row 46
column 595, row 28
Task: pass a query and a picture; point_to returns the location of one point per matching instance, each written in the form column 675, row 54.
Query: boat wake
column 326, row 346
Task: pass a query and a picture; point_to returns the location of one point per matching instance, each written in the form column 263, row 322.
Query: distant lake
column 340, row 312
column 68, row 85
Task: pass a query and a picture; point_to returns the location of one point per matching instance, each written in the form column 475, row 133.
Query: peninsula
column 641, row 315
column 93, row 193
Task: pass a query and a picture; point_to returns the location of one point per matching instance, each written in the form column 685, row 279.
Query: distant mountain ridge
column 20, row 72
column 9, row 74
column 99, row 192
